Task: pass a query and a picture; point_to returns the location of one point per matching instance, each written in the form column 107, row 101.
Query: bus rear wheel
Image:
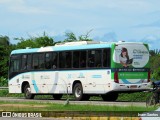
column 110, row 96
column 57, row 96
column 27, row 92
column 78, row 91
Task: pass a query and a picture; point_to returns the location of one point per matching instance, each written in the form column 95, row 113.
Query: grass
column 61, row 110
column 40, row 106
column 136, row 97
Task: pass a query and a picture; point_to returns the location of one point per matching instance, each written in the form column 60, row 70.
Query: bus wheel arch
column 23, row 86
column 26, row 90
column 77, row 90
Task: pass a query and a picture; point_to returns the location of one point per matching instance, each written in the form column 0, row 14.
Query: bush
column 133, row 97
column 3, row 82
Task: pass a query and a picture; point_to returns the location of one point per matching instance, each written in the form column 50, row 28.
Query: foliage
column 85, row 37
column 155, row 66
column 28, row 106
column 70, row 37
column 133, row 97
column 5, row 49
column 35, row 42
column 4, row 40
column 3, row 82
column 154, row 52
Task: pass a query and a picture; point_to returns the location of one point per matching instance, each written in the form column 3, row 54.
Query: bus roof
column 80, row 45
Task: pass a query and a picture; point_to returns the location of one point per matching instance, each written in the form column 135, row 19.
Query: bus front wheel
column 27, row 92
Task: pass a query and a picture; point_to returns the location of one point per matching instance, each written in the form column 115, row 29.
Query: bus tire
column 27, row 92
column 57, row 96
column 78, row 92
column 110, row 96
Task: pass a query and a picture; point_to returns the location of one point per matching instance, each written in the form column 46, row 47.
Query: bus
column 83, row 69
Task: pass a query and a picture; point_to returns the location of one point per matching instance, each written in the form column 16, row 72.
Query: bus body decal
column 125, row 81
column 96, row 76
column 35, row 86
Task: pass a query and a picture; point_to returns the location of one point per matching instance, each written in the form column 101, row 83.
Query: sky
column 107, row 20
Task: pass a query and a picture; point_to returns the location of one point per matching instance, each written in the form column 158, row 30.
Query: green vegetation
column 133, row 97
column 40, row 106
column 155, row 66
column 3, row 81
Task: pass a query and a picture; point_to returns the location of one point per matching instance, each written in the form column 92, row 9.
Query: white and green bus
column 83, row 68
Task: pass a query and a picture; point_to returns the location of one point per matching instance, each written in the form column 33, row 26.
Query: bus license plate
column 133, row 86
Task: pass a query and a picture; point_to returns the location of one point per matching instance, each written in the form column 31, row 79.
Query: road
column 117, row 103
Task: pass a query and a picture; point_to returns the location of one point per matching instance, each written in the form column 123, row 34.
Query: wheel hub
column 78, row 92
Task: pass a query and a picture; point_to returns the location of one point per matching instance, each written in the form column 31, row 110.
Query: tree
column 155, row 66
column 44, row 41
column 35, row 42
column 4, row 40
column 25, row 43
column 70, row 37
column 4, row 55
column 85, row 37
column 152, row 53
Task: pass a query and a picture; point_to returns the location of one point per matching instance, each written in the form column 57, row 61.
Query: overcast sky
column 109, row 20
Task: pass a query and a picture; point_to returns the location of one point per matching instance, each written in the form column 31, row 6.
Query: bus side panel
column 51, row 82
column 14, row 85
column 93, row 81
column 97, row 81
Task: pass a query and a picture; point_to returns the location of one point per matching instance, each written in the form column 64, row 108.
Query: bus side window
column 91, row 58
column 41, row 61
column 35, row 61
column 106, row 58
column 62, row 59
column 65, row 59
column 48, row 60
column 54, row 61
column 83, row 56
column 24, row 62
column 29, row 62
column 68, row 60
column 76, row 59
column 38, row 61
column 98, row 58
